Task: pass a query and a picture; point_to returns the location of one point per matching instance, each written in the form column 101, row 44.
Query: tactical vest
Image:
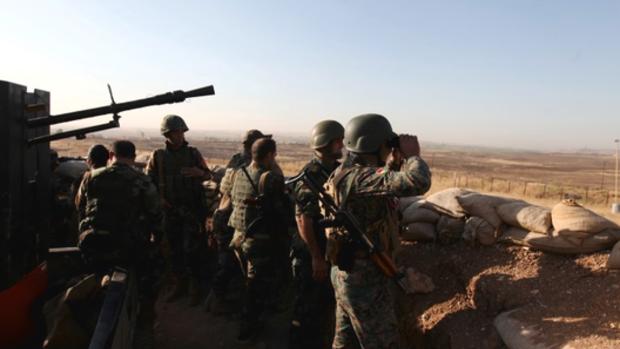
column 376, row 214
column 242, row 194
column 179, row 191
column 113, row 200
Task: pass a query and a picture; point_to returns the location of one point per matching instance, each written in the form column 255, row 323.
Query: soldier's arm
column 151, row 168
column 80, row 197
column 307, row 209
column 414, row 178
column 202, row 165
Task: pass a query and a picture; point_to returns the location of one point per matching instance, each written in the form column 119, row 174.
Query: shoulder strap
column 337, row 179
column 247, row 175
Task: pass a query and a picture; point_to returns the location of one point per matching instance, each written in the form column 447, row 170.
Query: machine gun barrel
column 115, row 108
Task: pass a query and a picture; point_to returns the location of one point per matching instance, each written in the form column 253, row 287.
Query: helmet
column 325, row 132
column 172, row 123
column 252, row 135
column 366, row 133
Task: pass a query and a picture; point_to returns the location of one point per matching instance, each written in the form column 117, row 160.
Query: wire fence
column 523, row 188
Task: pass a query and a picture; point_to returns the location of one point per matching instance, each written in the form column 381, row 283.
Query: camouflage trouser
column 312, row 325
column 227, row 265
column 258, row 254
column 364, row 308
column 182, row 230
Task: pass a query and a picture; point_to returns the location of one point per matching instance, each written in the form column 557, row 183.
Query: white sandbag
column 524, row 215
column 483, row 206
column 418, row 232
column 559, row 244
column 450, row 229
column 517, row 334
column 568, row 216
column 614, row 257
column 445, row 202
column 418, row 213
column 477, row 229
column 405, row 202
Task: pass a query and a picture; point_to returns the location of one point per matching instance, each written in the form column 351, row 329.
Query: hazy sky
column 504, row 73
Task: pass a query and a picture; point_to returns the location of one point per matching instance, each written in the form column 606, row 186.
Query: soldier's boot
column 179, row 289
column 194, row 292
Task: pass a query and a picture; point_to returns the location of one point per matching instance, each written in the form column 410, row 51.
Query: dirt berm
column 559, row 301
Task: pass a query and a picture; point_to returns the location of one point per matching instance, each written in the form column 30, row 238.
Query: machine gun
column 114, row 108
column 344, row 219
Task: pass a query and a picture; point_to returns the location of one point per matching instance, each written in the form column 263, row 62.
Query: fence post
column 562, row 193
column 492, row 182
column 455, row 183
column 524, row 188
column 544, row 191
column 509, row 186
column 586, row 200
column 466, row 181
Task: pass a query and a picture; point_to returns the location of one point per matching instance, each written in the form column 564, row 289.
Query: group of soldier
column 126, row 213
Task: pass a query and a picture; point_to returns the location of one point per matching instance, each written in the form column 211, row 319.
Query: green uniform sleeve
column 151, row 168
column 306, row 202
column 414, row 178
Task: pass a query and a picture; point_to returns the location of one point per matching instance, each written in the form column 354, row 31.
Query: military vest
column 376, row 213
column 113, row 200
column 178, row 190
column 243, row 193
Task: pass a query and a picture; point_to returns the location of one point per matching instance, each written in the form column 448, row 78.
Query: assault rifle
column 344, row 219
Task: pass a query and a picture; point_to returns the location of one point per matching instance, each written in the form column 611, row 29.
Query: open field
column 542, row 178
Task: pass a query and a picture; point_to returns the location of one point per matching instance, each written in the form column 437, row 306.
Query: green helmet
column 325, row 132
column 172, row 123
column 366, row 133
column 252, row 135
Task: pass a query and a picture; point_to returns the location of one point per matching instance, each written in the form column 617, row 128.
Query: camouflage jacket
column 270, row 184
column 370, row 193
column 306, row 201
column 164, row 168
column 121, row 201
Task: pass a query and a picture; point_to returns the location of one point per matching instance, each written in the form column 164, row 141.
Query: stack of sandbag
column 574, row 229
column 438, row 216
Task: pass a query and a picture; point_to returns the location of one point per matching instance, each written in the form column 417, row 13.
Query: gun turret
column 114, row 108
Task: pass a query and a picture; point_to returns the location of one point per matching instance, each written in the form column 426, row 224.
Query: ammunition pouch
column 341, row 251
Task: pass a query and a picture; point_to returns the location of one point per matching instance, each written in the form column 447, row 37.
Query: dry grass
column 541, row 178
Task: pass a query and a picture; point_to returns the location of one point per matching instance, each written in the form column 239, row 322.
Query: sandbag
column 405, row 202
column 568, row 216
column 524, row 215
column 418, row 213
column 559, row 244
column 477, row 229
column 445, row 202
column 517, row 334
column 614, row 257
column 419, row 231
column 483, row 206
column 450, row 229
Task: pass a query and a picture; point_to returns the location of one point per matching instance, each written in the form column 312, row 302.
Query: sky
column 527, row 74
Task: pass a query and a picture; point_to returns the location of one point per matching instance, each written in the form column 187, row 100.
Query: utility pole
column 603, row 176
column 615, row 208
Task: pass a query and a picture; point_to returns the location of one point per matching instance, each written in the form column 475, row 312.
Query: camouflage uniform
column 226, row 263
column 364, row 311
column 122, row 209
column 185, row 208
column 312, row 324
column 259, row 250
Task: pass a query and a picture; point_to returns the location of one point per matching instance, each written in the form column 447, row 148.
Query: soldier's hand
column 193, row 172
column 320, row 269
column 409, row 146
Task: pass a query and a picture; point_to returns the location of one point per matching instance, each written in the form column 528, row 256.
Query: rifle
column 344, row 219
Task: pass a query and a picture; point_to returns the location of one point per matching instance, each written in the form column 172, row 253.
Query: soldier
column 226, row 265
column 97, row 157
column 314, row 303
column 122, row 211
column 178, row 171
column 365, row 186
column 259, row 204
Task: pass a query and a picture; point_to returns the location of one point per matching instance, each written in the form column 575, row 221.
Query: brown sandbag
column 483, row 206
column 524, row 215
column 477, row 229
column 568, row 216
column 614, row 257
column 418, row 213
column 559, row 244
column 418, row 231
column 445, row 202
column 450, row 229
